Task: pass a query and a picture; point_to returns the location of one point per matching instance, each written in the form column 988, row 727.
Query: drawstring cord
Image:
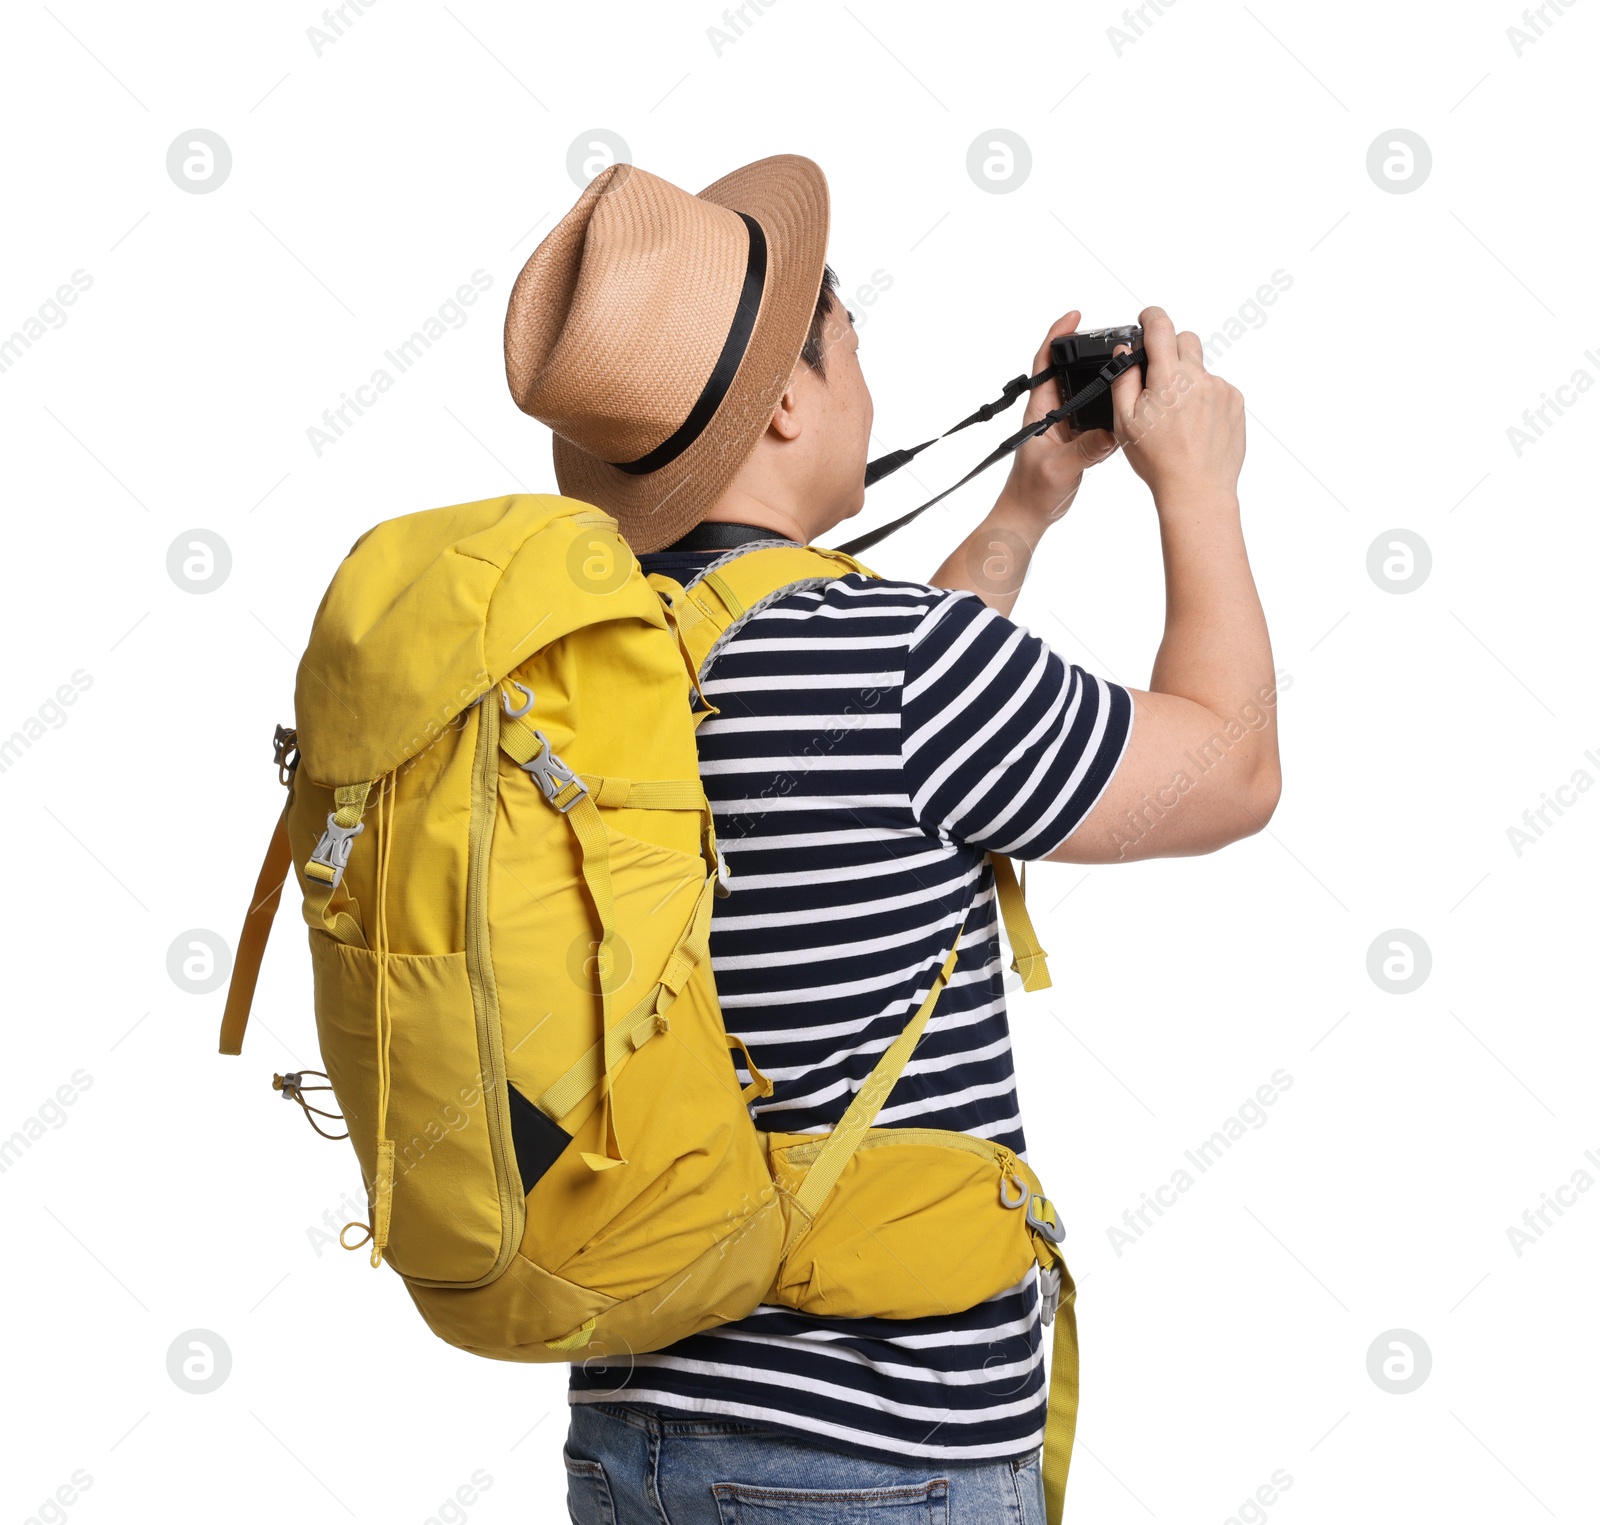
column 294, row 1088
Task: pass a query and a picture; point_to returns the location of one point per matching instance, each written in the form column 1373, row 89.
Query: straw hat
column 655, row 331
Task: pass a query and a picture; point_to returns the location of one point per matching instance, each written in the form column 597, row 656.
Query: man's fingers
column 1161, row 345
column 1190, row 351
column 1125, row 391
column 1094, row 445
column 1066, row 324
column 1046, row 395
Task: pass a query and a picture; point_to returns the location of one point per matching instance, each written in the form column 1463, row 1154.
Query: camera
column 1077, row 358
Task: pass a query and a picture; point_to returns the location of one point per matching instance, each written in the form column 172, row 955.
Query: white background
column 1231, row 1339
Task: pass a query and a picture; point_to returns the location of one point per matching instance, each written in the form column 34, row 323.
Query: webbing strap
column 576, row 1340
column 253, row 937
column 595, row 847
column 350, row 800
column 645, row 793
column 724, row 591
column 1061, row 1419
column 759, row 1085
column 580, row 802
column 841, row 1143
column 632, row 1030
column 579, row 799
column 520, row 742
column 1028, row 958
column 560, row 1098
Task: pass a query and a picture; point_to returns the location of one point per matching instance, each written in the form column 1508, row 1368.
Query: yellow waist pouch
column 921, row 1222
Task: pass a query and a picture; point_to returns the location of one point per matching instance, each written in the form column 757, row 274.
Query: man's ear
column 785, row 422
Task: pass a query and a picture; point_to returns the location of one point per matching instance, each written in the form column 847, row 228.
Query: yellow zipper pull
column 1008, row 1163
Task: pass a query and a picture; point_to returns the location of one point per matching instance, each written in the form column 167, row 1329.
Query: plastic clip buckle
column 1049, row 1293
column 285, row 753
column 1050, row 1228
column 333, row 849
column 552, row 775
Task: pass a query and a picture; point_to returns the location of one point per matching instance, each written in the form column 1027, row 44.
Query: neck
column 738, row 505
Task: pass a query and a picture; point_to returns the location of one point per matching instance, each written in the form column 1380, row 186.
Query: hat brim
column 788, row 195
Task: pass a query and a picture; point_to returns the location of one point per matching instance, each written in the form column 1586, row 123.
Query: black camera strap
column 886, row 464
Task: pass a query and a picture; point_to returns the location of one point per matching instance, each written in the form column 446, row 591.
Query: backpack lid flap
column 430, row 611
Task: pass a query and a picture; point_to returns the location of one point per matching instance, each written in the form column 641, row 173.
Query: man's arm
column 1201, row 767
column 1045, row 473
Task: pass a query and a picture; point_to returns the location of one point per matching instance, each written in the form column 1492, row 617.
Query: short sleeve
column 1004, row 746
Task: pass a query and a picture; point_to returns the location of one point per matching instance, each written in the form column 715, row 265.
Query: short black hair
column 812, row 353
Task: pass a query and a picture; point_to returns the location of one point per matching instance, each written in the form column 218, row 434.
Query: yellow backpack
column 508, row 865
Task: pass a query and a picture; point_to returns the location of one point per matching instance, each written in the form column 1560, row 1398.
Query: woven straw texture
column 618, row 317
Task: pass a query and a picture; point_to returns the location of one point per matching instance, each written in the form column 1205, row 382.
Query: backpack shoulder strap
column 842, row 1140
column 706, row 611
column 708, row 607
column 1027, row 957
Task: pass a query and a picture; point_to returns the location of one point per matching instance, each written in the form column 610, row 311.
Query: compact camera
column 1077, row 359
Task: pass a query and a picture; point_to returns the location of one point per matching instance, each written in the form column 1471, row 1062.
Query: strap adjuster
column 1050, row 1227
column 293, row 1087
column 553, row 776
column 285, row 753
column 1049, row 1293
column 331, row 856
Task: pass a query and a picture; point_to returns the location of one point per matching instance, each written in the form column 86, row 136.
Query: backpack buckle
column 331, row 856
column 1049, row 1293
column 1050, row 1227
column 553, row 776
column 285, row 753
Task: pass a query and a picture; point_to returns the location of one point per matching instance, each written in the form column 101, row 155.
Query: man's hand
column 1046, row 470
column 1183, row 430
column 993, row 560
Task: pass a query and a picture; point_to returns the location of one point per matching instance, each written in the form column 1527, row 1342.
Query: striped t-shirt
column 875, row 739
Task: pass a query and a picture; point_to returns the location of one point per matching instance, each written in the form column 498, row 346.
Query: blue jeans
column 629, row 1465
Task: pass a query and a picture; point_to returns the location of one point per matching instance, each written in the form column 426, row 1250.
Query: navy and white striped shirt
column 875, row 740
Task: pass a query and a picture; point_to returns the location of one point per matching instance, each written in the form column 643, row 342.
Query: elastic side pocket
column 447, row 1223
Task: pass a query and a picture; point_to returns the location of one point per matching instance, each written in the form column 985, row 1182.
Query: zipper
column 480, row 976
column 805, row 1154
column 1004, row 1159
